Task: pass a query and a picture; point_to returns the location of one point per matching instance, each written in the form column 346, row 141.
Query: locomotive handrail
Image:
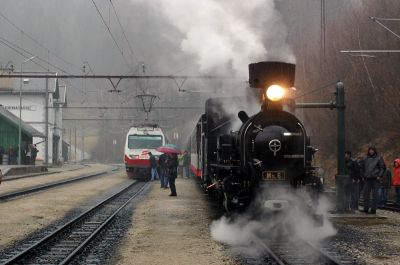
column 221, row 125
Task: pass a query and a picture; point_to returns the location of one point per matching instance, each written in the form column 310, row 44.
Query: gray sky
column 169, row 37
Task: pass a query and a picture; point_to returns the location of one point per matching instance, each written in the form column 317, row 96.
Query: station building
column 33, row 111
column 9, row 136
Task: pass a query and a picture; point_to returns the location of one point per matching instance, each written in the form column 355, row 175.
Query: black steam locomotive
column 236, row 157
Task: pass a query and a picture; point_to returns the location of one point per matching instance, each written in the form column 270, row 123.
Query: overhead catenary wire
column 377, row 21
column 22, row 52
column 385, row 19
column 19, row 52
column 123, row 31
column 9, row 21
column 112, row 36
column 3, row 40
column 315, row 90
column 15, row 48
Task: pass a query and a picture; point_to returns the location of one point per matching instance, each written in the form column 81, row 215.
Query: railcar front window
column 144, row 141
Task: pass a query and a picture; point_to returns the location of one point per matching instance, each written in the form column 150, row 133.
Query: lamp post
column 20, row 112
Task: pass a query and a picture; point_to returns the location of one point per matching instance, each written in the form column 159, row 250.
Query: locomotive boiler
column 237, row 156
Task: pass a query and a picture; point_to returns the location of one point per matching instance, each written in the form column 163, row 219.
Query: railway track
column 390, row 206
column 288, row 252
column 37, row 188
column 39, row 174
column 70, row 240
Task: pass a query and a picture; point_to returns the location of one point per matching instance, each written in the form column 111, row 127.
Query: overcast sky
column 168, row 37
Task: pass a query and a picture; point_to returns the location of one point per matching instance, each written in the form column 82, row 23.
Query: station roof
column 28, row 129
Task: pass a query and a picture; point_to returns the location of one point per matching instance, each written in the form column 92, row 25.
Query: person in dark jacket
column 384, row 186
column 34, row 153
column 186, row 164
column 372, row 168
column 353, row 171
column 153, row 165
column 162, row 160
column 361, row 179
column 172, row 172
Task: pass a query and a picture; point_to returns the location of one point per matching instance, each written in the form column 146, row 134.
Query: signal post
column 341, row 179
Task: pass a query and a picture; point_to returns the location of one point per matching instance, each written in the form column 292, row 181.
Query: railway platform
column 172, row 230
column 12, row 170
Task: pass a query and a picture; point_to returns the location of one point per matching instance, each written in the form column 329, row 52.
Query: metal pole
column 20, row 120
column 75, row 145
column 20, row 113
column 342, row 180
column 70, row 144
column 83, row 145
column 340, row 105
column 46, row 151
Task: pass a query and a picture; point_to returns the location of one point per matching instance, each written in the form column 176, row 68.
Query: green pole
column 342, row 180
column 340, row 105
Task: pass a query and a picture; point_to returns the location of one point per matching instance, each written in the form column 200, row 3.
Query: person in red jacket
column 396, row 178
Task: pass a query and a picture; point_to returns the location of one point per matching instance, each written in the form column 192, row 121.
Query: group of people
column 28, row 155
column 371, row 177
column 31, row 153
column 167, row 169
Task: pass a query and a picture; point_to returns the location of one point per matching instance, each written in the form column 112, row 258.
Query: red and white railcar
column 140, row 140
column 195, row 146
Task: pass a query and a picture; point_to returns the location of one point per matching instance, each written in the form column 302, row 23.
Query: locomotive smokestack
column 243, row 116
column 265, row 74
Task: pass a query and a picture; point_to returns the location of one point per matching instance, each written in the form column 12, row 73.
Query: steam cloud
column 239, row 230
column 224, row 36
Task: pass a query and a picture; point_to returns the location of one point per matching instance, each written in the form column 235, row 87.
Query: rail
column 34, row 189
column 287, row 252
column 68, row 241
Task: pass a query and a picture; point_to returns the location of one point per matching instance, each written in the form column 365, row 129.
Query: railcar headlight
column 275, row 93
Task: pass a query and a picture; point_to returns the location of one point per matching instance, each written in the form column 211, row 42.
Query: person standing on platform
column 352, row 170
column 180, row 164
column 172, row 170
column 396, row 179
column 153, row 165
column 28, row 154
column 186, row 164
column 162, row 161
column 372, row 168
column 34, row 152
column 361, row 184
column 384, row 187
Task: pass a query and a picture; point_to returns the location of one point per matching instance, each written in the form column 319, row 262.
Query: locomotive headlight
column 275, row 93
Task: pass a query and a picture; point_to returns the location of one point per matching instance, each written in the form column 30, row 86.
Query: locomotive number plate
column 273, row 175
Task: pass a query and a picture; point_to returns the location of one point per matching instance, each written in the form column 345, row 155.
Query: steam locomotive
column 237, row 157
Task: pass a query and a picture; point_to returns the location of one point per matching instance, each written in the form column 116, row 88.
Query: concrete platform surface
column 172, row 230
column 12, row 170
column 35, row 172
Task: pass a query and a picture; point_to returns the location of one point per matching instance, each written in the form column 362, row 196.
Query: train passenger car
column 140, row 140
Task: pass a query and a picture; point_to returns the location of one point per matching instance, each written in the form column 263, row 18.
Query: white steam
column 284, row 227
column 224, row 36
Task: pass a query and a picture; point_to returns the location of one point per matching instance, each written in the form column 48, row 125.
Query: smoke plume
column 225, row 36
